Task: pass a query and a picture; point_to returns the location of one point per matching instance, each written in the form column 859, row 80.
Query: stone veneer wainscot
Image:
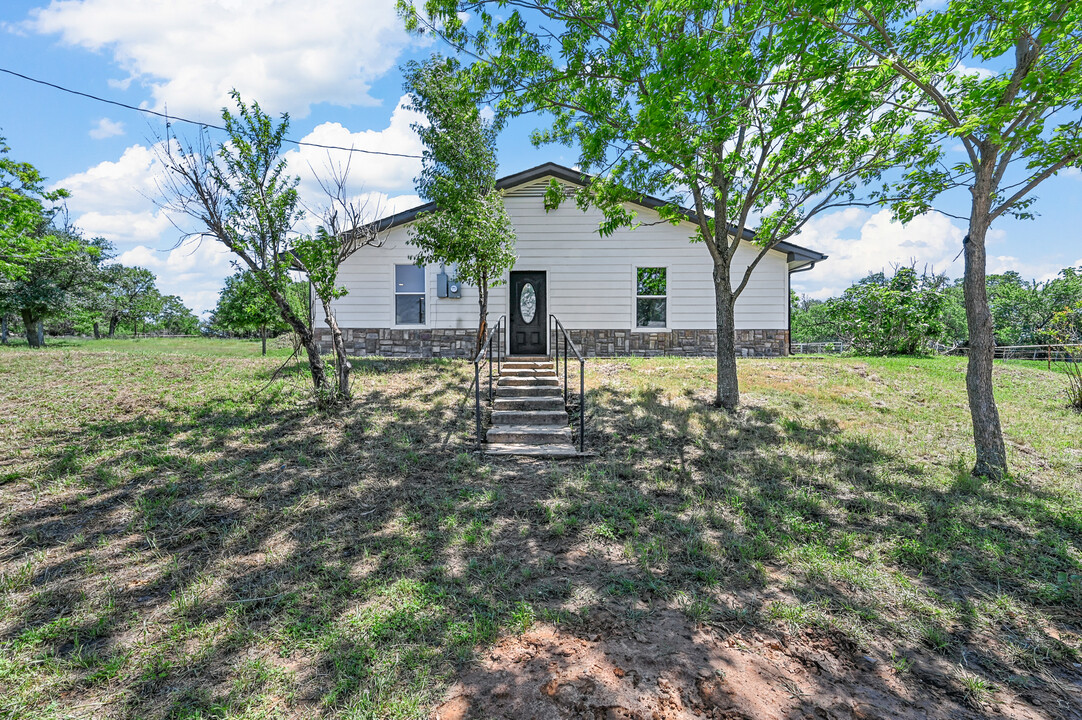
column 459, row 343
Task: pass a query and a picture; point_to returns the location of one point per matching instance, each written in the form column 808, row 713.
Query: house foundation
column 460, row 343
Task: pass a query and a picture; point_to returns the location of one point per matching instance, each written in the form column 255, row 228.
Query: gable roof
column 794, row 253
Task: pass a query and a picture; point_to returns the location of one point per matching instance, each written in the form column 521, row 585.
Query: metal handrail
column 498, row 330
column 558, row 329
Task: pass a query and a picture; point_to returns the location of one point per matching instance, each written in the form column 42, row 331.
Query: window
column 409, row 295
column 650, row 301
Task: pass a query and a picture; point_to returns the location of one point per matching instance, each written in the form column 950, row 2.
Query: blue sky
column 334, row 66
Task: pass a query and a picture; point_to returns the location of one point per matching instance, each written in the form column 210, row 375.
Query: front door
column 529, row 320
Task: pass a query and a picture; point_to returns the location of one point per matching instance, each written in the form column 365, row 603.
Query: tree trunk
column 728, row 387
column 263, row 338
column 482, row 302
column 341, row 362
column 113, row 321
column 4, row 330
column 987, row 432
column 32, row 326
column 307, row 337
column 97, row 331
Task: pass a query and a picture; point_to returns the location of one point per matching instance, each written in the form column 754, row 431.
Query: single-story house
column 642, row 291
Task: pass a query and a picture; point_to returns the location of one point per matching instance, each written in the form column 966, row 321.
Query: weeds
column 975, row 690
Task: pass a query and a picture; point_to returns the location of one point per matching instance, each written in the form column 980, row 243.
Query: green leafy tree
column 811, row 320
column 470, row 228
column 50, row 285
column 102, row 302
column 758, row 124
column 27, row 212
column 239, row 194
column 135, row 292
column 245, row 307
column 1065, row 328
column 896, row 316
column 1018, row 122
column 953, row 316
column 1022, row 310
column 174, row 317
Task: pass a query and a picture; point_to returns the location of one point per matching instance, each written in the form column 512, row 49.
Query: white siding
column 590, row 279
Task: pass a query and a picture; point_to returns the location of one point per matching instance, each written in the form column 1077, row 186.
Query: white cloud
column 978, row 72
column 195, row 270
column 120, row 201
column 286, row 54
column 1039, row 271
column 859, row 243
column 106, row 128
column 127, row 185
column 366, row 172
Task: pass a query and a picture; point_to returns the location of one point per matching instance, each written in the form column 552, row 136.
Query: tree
column 1017, row 121
column 245, row 307
column 896, row 316
column 102, row 301
column 175, row 318
column 27, row 212
column 241, row 196
column 1022, row 310
column 346, row 228
column 810, row 320
column 470, row 228
column 762, row 123
column 136, row 295
column 49, row 284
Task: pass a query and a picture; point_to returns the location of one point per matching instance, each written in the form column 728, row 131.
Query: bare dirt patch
column 670, row 668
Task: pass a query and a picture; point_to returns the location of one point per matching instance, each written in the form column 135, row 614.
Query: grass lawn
column 182, row 537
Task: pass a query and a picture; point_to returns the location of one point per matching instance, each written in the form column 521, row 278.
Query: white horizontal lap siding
column 368, row 276
column 591, row 280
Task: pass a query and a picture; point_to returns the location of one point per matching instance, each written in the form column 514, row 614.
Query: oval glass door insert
column 527, row 303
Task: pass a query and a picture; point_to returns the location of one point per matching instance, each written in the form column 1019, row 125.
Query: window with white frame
column 409, row 295
column 651, row 299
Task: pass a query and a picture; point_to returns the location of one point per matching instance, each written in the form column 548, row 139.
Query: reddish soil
column 669, row 669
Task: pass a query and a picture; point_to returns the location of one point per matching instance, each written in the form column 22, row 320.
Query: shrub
column 896, row 316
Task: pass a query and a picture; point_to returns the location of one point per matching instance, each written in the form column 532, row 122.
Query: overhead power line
column 174, row 118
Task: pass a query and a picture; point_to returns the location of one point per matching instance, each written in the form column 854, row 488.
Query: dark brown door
column 529, row 319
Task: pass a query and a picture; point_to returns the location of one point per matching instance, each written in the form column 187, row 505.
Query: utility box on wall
column 448, row 287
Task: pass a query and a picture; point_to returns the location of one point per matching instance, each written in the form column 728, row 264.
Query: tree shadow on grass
column 230, row 559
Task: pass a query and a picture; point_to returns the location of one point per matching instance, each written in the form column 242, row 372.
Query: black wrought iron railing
column 493, row 346
column 560, row 333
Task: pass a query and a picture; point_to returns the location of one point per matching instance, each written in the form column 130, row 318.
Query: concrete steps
column 529, row 391
column 528, row 381
column 528, row 415
column 529, row 402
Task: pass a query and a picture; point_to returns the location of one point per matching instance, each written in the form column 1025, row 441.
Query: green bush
column 901, row 315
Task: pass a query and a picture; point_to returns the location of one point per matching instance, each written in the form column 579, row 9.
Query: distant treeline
column 82, row 293
column 910, row 312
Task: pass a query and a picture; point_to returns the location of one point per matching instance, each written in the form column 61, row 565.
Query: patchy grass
column 175, row 545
